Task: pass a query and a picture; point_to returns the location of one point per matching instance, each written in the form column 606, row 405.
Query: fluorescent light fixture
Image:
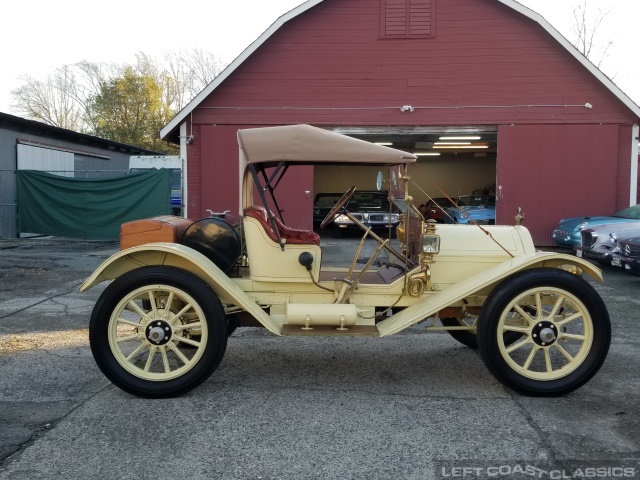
column 385, row 144
column 452, row 143
column 457, row 147
column 457, row 137
column 427, row 154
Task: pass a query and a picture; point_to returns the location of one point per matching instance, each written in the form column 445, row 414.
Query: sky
column 40, row 35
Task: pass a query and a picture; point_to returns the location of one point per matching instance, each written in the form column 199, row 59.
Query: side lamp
column 430, row 239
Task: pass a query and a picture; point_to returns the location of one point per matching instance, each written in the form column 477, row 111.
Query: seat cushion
column 290, row 235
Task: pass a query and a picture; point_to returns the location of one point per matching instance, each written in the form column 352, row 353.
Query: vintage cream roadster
column 180, row 287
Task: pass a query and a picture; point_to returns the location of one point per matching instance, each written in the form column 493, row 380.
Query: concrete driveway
column 413, row 405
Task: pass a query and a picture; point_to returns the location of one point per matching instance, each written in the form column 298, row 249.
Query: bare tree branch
column 586, row 32
column 67, row 97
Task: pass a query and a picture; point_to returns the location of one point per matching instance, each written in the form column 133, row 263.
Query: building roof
column 12, row 122
column 536, row 17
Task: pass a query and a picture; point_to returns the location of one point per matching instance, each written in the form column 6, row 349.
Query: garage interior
column 456, row 160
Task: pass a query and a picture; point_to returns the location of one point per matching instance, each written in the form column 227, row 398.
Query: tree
column 586, row 28
column 129, row 109
column 103, row 99
column 52, row 100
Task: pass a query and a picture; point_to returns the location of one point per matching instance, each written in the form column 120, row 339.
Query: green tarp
column 89, row 208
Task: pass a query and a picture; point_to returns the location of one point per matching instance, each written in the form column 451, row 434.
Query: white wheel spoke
column 152, row 353
column 564, row 353
column 556, row 307
column 127, row 338
column 189, row 341
column 572, row 336
column 547, row 360
column 167, row 310
column 538, row 306
column 137, row 309
column 524, row 314
column 180, row 313
column 532, row 354
column 128, row 322
column 154, row 307
column 165, row 360
column 185, row 326
column 177, row 351
column 135, row 352
column 570, row 318
column 523, row 330
column 518, row 345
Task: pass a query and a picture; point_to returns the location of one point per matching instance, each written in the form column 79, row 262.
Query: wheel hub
column 158, row 332
column 544, row 333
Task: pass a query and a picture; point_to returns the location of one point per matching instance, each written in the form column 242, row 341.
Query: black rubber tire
column 170, row 276
column 519, row 283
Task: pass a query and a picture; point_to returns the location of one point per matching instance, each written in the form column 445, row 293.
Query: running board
column 330, row 331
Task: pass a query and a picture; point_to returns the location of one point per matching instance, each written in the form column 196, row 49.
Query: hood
column 591, row 221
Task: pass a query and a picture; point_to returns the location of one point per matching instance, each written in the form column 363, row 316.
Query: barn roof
column 300, row 9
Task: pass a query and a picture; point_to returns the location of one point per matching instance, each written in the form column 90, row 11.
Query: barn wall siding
column 484, row 64
column 554, row 172
column 219, row 164
column 484, row 54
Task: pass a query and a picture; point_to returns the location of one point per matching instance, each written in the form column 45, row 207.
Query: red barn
column 547, row 128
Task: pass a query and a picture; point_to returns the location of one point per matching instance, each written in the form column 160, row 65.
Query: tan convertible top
column 307, row 144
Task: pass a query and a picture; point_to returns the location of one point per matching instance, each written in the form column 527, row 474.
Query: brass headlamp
column 430, row 244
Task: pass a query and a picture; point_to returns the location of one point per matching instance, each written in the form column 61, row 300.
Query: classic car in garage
column 479, row 209
column 435, row 209
column 372, row 209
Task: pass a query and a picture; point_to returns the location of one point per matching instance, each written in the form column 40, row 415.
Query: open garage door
column 454, row 160
column 547, row 195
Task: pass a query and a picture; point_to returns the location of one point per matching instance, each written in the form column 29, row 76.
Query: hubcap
column 158, row 332
column 544, row 333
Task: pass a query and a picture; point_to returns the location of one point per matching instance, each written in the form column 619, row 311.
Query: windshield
column 477, row 201
column 327, row 200
column 369, row 202
column 631, row 212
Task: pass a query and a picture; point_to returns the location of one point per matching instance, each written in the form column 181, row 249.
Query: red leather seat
column 291, row 235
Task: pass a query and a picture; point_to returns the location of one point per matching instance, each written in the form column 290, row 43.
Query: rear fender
column 432, row 304
column 175, row 255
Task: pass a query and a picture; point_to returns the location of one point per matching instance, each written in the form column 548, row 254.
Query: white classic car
column 180, row 287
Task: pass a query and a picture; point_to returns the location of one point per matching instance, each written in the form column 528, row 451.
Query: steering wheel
column 339, row 204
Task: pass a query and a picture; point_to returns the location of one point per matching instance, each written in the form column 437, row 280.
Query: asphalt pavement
column 416, row 405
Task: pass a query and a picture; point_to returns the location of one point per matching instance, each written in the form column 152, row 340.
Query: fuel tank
column 218, row 237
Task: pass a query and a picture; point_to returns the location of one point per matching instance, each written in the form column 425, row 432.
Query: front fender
column 432, row 304
column 175, row 255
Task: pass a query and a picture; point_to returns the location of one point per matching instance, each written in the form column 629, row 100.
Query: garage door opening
column 455, row 161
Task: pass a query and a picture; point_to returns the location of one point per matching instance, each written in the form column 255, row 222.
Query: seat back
column 289, row 235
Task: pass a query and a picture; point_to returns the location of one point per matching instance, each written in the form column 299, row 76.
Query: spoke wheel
column 564, row 331
column 158, row 332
